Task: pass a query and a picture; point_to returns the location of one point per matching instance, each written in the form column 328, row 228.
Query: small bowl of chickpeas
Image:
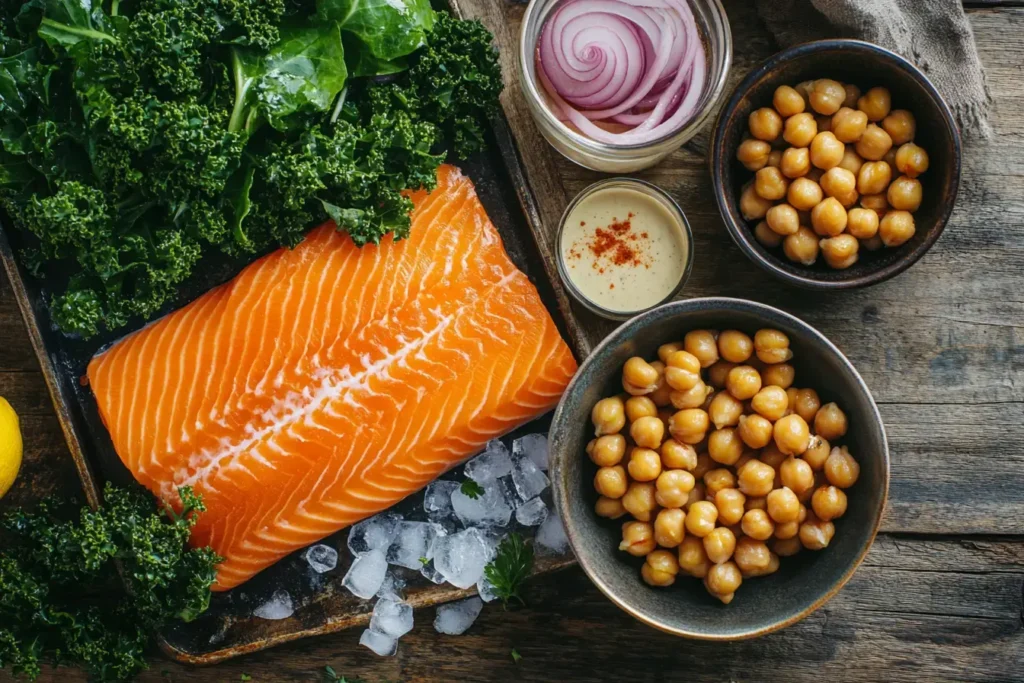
column 720, row 468
column 836, row 164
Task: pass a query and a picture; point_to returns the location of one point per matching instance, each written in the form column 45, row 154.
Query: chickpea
column 803, row 194
column 698, row 494
column 862, row 223
column 746, row 457
column 730, row 503
column 792, row 435
column 735, row 346
column 783, row 219
column 717, row 479
column 874, row 144
column 648, row 432
column 673, row 487
column 851, row 160
column 638, row 407
column 725, row 411
column 795, row 162
column 787, row 547
column 770, row 402
column 848, row 124
column 754, row 430
column 830, row 422
column 787, row 101
column 838, row 182
column 669, row 529
column 703, row 345
column 610, row 508
column 772, row 346
column 852, row 95
column 796, row 475
column 840, row 251
column 640, row 373
column 718, row 372
column 704, row 465
column 817, row 453
column 828, row 503
column 890, row 157
column 608, row 416
column 751, row 554
column 787, row 530
column 801, row 246
column 896, row 227
column 675, row 455
column 660, row 569
column 800, row 129
column 743, row 382
column 752, row 205
column 875, row 103
column 816, row 534
column 753, row 154
column 692, row 398
column 765, row 124
column 804, row 89
column 900, row 125
column 689, row 425
column 644, row 464
column 826, row 150
column 757, row 525
column 607, row 451
column 827, row 96
column 666, row 350
column 841, row 469
column 682, row 371
column 911, row 160
column 875, row 202
column 701, row 518
column 829, row 217
column 637, row 538
column 904, row 194
column 783, row 505
column 611, row 482
column 720, row 544
column 639, row 500
column 756, row 503
column 872, row 243
column 775, row 158
column 662, row 391
column 693, row 559
column 805, row 403
column 824, row 123
column 769, row 183
column 723, row 580
column 766, row 236
column 779, row 374
column 873, row 178
column 756, row 478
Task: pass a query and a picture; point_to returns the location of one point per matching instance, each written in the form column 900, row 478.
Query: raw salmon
column 327, row 382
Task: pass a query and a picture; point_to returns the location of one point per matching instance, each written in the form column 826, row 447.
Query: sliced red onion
column 637, row 63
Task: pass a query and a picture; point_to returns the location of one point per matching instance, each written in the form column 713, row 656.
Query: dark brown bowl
column 804, row 582
column 865, row 65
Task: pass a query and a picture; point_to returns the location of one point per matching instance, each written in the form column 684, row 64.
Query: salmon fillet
column 327, row 382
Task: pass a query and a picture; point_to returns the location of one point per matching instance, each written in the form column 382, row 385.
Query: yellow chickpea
column 682, row 370
column 753, row 154
column 751, row 555
column 792, row 436
column 640, row 406
column 775, row 158
column 787, row 547
column 806, row 404
column 787, row 101
column 787, row 530
column 743, row 382
column 804, row 89
column 830, row 422
column 862, row 223
column 725, row 410
column 660, row 569
column 838, row 183
column 769, row 183
column 782, row 219
column 719, row 544
column 610, row 508
column 900, row 125
column 772, row 346
column 661, row 392
column 826, row 150
column 796, row 475
column 800, row 129
column 873, row 178
column 754, row 430
column 607, row 450
column 673, row 487
column 803, row 194
column 669, row 528
column 896, row 227
column 648, row 432
column 717, row 479
column 816, row 534
column 704, row 465
column 692, row 398
column 723, row 580
column 765, row 124
column 666, row 350
column 783, row 506
column 608, row 416
column 851, row 160
column 640, row 373
column 841, row 469
column 817, row 453
column 735, row 346
column 730, row 503
column 693, row 559
column 611, row 482
column 840, row 251
column 767, row 237
column 675, row 455
column 827, row 96
column 779, row 374
column 756, row 503
column 801, row 246
column 875, row 202
column 828, row 503
column 876, row 103
column 852, row 95
column 757, row 524
column 639, row 500
column 890, row 157
column 756, row 478
column 702, row 345
column 874, row 144
column 770, row 402
column 689, row 426
column 752, row 205
column 829, row 218
column 849, row 124
column 795, row 162
column 637, row 538
column 701, row 518
column 718, row 372
column 911, row 160
column 644, row 463
column 904, row 194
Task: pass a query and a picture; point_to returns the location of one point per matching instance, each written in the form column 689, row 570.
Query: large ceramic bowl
column 804, row 582
column 865, row 65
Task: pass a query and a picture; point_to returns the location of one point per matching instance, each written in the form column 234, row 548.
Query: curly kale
column 55, row 572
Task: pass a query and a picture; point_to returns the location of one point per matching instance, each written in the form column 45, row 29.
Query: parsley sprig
column 510, row 568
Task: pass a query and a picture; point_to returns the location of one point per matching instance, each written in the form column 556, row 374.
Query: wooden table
column 941, row 594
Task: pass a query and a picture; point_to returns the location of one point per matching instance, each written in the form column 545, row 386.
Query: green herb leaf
column 510, row 567
column 471, row 489
column 246, row 677
column 424, row 561
column 516, row 656
column 387, row 29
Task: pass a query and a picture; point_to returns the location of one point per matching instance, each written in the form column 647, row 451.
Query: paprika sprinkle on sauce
column 624, row 247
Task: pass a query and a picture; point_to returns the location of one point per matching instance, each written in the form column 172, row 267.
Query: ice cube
column 391, row 617
column 437, row 498
column 488, row 509
column 551, row 534
column 532, row 512
column 509, row 489
column 431, row 574
column 455, row 618
column 322, row 558
column 486, row 589
column 279, row 606
column 375, row 533
column 534, row 447
column 392, row 587
column 461, row 558
column 381, row 644
column 491, row 464
column 411, row 543
column 366, row 575
column 528, row 479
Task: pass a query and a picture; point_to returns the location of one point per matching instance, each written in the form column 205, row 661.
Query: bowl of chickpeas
column 720, row 468
column 835, row 164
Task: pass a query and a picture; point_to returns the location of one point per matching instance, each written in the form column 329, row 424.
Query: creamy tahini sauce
column 623, row 249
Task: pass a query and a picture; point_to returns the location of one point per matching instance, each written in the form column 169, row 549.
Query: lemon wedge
column 10, row 446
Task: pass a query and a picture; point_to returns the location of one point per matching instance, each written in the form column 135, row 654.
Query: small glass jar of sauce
column 624, row 246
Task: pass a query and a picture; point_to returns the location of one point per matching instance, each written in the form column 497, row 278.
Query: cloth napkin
column 933, row 34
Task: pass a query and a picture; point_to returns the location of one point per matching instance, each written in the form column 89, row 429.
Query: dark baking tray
column 226, row 630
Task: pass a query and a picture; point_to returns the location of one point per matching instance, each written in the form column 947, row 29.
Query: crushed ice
column 455, row 618
column 279, row 606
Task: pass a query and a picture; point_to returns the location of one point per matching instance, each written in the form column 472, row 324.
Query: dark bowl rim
column 736, row 226
column 561, row 493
